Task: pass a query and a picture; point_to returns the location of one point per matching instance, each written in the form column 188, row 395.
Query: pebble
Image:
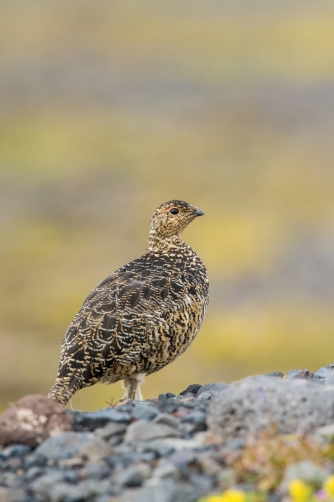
column 111, row 429
column 166, row 419
column 142, row 412
column 170, row 448
column 93, row 420
column 133, row 475
column 146, row 431
column 66, row 445
column 213, row 387
column 191, row 389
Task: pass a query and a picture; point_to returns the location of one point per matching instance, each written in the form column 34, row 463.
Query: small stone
column 276, row 374
column 168, row 405
column 33, row 473
column 323, row 373
column 205, row 396
column 35, row 459
column 44, row 484
column 195, row 417
column 71, row 463
column 97, row 419
column 95, row 451
column 165, row 490
column 330, row 366
column 169, row 395
column 166, row 469
column 209, row 465
column 162, row 397
column 207, row 438
column 213, row 387
column 6, row 495
column 141, row 412
column 67, row 445
column 71, row 477
column 111, row 429
column 164, row 447
column 148, row 431
column 305, row 471
column 329, row 381
column 307, row 374
column 32, row 419
column 291, row 405
column 166, row 419
column 203, row 483
column 16, row 450
column 182, row 458
column 96, row 471
column 191, row 389
column 133, row 475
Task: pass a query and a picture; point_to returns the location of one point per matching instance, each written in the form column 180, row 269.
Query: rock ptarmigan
column 140, row 318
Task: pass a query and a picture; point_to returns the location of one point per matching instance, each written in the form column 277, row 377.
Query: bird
column 140, row 318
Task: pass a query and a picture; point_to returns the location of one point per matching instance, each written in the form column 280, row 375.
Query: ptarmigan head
column 171, row 218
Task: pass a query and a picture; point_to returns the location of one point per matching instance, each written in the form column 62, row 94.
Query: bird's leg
column 132, row 387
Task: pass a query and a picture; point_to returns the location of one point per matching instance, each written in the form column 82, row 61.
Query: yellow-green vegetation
column 264, row 460
column 299, row 491
column 263, row 464
column 109, row 109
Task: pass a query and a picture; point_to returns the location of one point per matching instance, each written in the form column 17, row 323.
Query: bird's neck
column 159, row 244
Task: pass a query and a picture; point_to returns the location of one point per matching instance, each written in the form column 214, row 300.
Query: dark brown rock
column 32, row 419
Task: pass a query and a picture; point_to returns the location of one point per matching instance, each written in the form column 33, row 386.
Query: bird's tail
column 64, row 388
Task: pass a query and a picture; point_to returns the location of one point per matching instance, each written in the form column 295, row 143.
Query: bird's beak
column 199, row 212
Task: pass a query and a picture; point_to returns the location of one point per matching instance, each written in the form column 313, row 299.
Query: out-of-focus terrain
column 108, row 109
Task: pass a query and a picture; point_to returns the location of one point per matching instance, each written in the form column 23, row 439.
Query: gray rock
column 276, row 374
column 306, row 471
column 133, row 475
column 66, row 445
column 213, row 387
column 258, row 403
column 96, row 471
column 166, row 469
column 166, row 419
column 147, row 431
column 144, row 412
column 34, row 472
column 305, row 374
column 16, row 450
column 44, row 484
column 111, row 429
column 329, row 381
column 195, row 417
column 94, row 420
column 206, row 396
column 95, row 451
column 65, row 492
column 160, row 490
column 12, row 495
column 164, row 447
column 191, row 389
column 324, row 373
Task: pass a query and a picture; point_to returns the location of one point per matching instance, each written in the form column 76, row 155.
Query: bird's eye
column 174, row 210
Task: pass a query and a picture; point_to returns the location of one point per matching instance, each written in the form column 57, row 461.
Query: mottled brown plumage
column 142, row 317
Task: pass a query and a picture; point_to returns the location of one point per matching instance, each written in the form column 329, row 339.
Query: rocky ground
column 256, row 435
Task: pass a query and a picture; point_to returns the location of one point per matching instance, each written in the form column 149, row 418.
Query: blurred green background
column 109, row 108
